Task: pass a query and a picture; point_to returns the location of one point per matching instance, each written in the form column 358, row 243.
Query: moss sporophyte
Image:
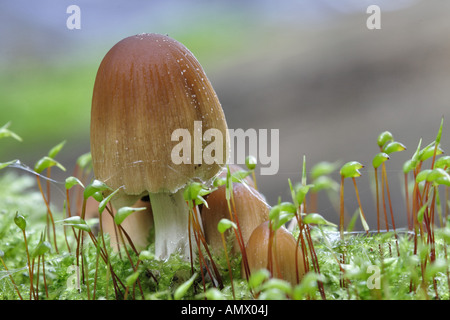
column 136, row 226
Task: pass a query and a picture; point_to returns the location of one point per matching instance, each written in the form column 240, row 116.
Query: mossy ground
column 368, row 258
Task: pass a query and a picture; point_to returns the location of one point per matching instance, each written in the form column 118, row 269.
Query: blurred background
column 310, row 68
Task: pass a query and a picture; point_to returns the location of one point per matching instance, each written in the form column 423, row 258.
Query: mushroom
column 251, row 211
column 283, row 253
column 147, row 86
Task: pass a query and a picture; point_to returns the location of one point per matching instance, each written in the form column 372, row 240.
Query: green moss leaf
column 95, row 186
column 124, row 212
column 73, row 181
column 225, row 224
column 323, row 168
column 250, row 162
column 384, row 138
column 181, row 291
column 56, row 149
column 393, row 146
column 6, row 133
column 351, row 169
column 77, row 223
column 20, row 221
column 379, row 159
column 47, row 162
column 315, row 218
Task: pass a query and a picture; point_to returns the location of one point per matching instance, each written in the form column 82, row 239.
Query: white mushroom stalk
column 171, row 218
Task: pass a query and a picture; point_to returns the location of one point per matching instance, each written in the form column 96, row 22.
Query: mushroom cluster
column 260, row 247
column 147, row 86
column 250, row 210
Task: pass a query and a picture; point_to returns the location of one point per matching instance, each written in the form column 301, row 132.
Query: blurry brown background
column 332, row 90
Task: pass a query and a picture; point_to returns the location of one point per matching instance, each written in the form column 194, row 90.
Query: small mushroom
column 140, row 223
column 284, row 249
column 251, row 211
column 147, row 86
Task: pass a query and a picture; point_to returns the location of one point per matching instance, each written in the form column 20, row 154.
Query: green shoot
column 224, row 225
column 389, row 148
column 250, row 163
column 348, row 170
column 5, row 133
column 21, row 222
column 193, row 194
column 376, row 162
column 181, row 291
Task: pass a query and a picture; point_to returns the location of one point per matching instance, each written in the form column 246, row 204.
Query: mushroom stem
column 171, row 220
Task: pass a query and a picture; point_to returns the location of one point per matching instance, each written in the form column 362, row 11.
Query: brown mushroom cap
column 251, row 210
column 283, row 254
column 147, row 86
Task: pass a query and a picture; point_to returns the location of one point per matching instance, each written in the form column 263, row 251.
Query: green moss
column 400, row 265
